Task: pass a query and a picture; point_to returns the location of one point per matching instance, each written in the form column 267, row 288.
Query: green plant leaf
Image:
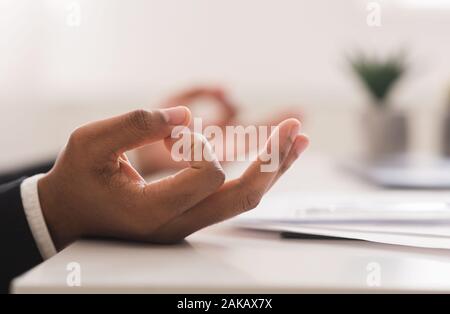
column 379, row 75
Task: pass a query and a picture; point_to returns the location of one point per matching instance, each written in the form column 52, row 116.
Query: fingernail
column 175, row 115
column 300, row 147
column 294, row 131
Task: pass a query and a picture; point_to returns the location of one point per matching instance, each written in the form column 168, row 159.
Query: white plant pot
column 385, row 133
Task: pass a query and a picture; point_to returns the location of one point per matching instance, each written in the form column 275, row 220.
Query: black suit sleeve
column 11, row 175
column 18, row 249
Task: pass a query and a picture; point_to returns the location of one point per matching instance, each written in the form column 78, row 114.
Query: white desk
column 224, row 259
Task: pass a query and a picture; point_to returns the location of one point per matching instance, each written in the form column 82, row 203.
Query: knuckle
column 217, row 176
column 141, row 120
column 76, row 138
column 250, row 200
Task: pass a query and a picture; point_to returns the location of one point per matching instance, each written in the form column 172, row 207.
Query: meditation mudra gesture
column 93, row 190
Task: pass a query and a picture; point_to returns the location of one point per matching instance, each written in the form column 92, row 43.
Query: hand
column 94, row 191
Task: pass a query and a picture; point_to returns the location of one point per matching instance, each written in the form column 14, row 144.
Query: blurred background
column 64, row 63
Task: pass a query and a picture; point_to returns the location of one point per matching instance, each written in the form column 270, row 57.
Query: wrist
column 56, row 213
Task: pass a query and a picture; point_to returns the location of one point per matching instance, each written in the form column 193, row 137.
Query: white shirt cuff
column 35, row 218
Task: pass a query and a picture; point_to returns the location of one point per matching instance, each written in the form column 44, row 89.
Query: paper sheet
column 392, row 220
column 423, row 241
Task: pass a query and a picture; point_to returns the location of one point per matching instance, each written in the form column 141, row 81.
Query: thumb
column 137, row 128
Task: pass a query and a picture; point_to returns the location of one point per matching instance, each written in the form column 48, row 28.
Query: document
column 381, row 218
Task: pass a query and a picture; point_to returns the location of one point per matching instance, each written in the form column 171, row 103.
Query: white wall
column 269, row 53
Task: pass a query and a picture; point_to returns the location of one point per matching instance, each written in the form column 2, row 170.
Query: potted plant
column 385, row 128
